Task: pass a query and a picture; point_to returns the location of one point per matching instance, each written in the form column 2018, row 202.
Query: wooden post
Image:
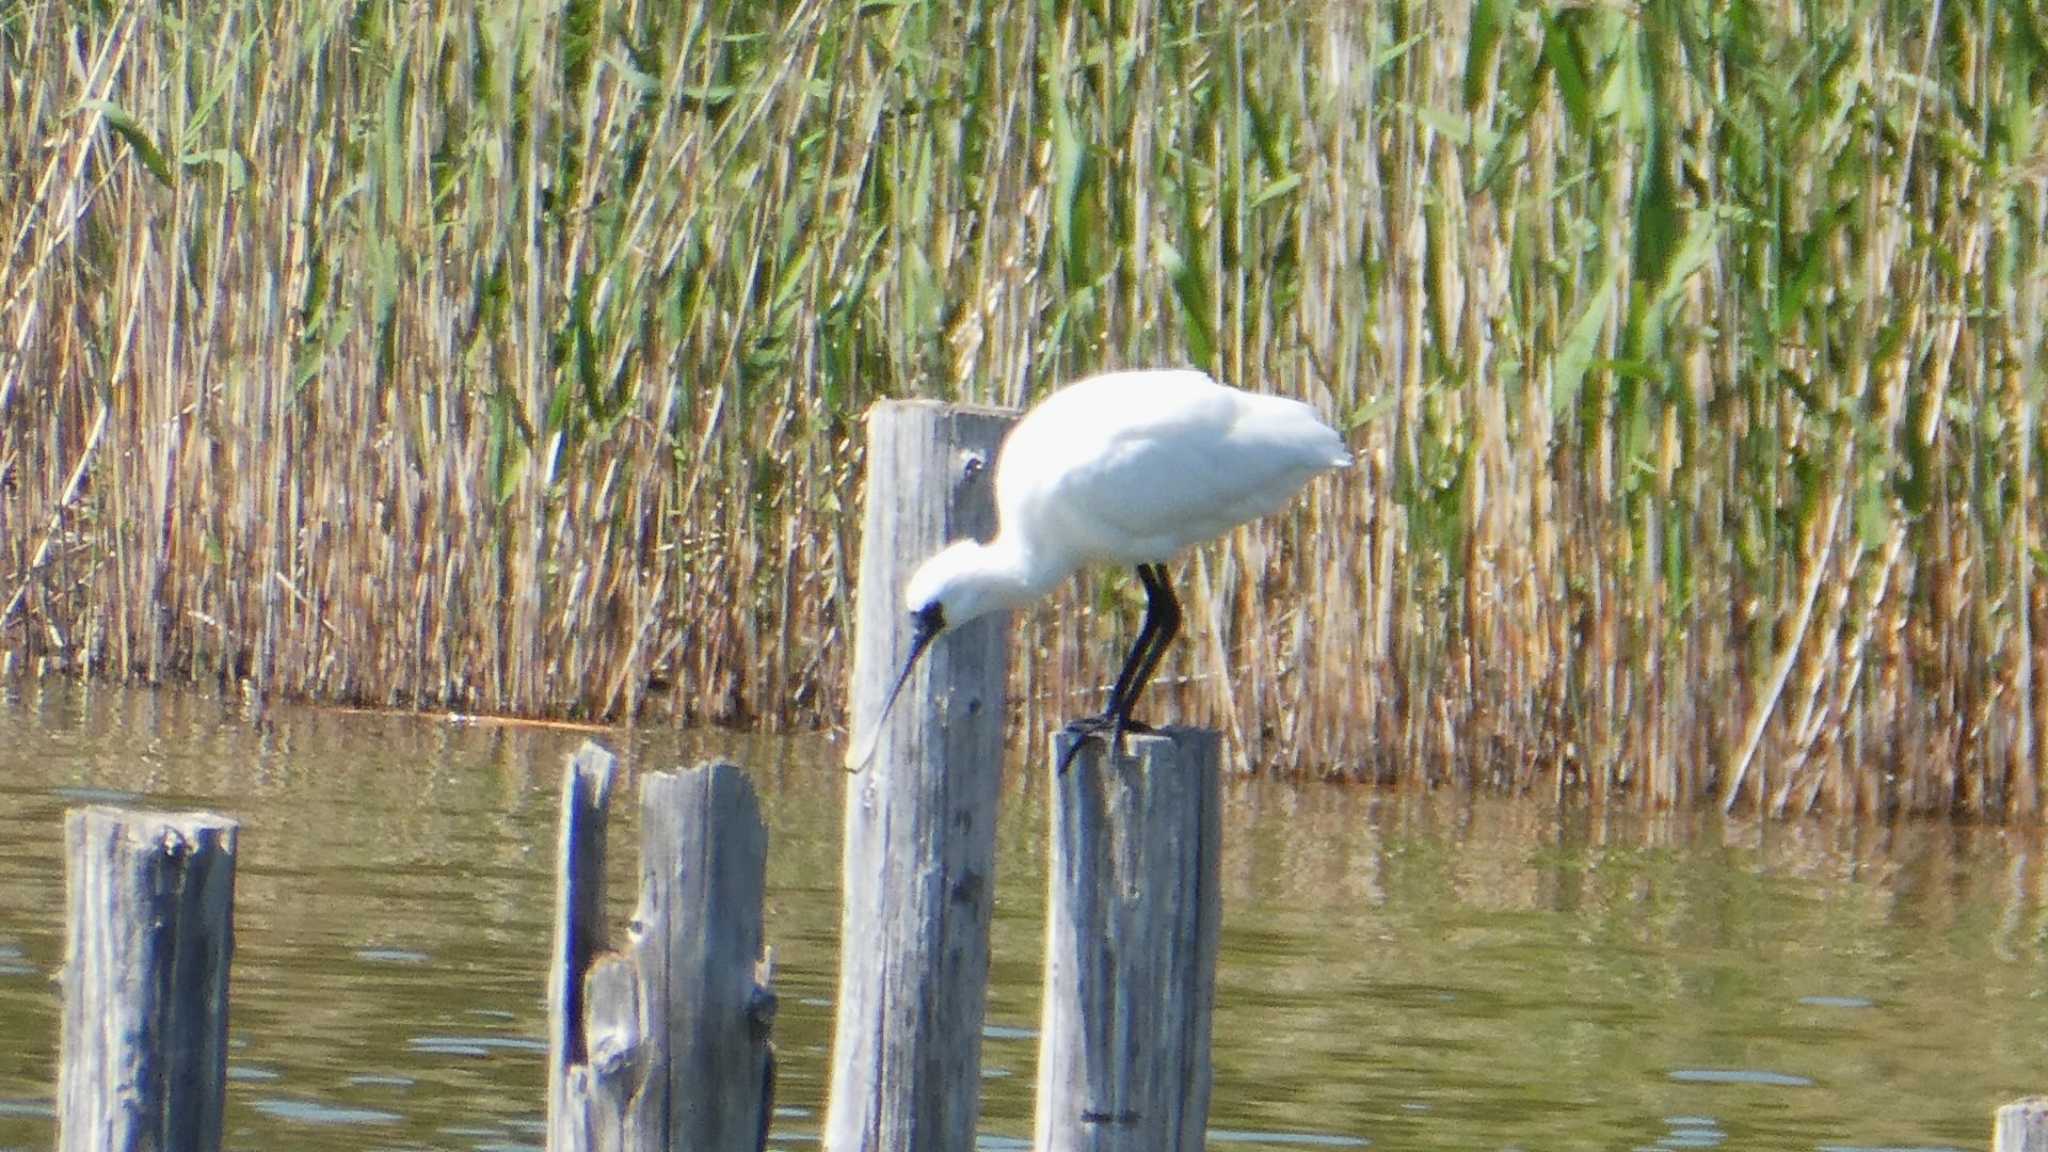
column 1130, row 946
column 150, row 904
column 670, row 1049
column 2022, row 1126
column 920, row 818
column 579, row 936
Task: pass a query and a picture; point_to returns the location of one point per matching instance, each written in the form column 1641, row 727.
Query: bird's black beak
column 926, row 624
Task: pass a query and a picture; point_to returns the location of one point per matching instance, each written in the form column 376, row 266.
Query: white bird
column 1124, row 468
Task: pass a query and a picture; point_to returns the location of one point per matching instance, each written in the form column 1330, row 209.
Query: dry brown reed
column 510, row 357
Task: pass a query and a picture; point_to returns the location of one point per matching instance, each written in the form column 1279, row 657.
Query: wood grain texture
column 1132, row 915
column 150, row 935
column 579, row 931
column 670, row 1047
column 920, row 819
column 703, row 868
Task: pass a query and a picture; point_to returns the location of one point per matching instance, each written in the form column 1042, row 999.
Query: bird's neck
column 1014, row 576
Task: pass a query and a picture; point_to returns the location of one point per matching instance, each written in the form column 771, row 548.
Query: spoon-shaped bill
column 927, row 627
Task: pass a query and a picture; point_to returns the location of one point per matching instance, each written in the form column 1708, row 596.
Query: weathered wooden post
column 578, row 938
column 1130, row 945
column 920, row 817
column 670, row 1048
column 2022, row 1126
column 149, row 899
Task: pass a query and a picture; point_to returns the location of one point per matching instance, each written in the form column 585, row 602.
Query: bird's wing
column 1152, row 475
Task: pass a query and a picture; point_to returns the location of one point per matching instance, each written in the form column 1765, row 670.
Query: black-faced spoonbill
column 1125, row 468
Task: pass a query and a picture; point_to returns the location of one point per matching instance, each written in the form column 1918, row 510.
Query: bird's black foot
column 1106, row 726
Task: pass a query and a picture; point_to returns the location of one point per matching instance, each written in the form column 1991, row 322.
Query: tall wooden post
column 1130, row 946
column 149, row 935
column 920, row 817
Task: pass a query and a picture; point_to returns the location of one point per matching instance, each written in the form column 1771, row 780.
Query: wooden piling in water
column 1132, row 915
column 149, row 900
column 579, row 935
column 670, row 1046
column 920, row 817
column 2022, row 1126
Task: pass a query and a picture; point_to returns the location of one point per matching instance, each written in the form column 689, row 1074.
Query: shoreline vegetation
column 510, row 358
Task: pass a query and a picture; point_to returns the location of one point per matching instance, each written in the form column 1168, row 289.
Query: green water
column 1412, row 972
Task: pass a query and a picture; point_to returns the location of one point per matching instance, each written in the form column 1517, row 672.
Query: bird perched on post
column 1123, row 468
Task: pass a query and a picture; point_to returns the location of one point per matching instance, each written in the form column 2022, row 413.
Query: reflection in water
column 1399, row 971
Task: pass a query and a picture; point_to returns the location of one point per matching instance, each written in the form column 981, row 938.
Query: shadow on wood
column 149, row 900
column 664, row 1042
column 1132, row 914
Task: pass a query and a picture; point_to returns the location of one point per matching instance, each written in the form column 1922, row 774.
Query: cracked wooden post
column 575, row 1080
column 920, row 816
column 149, row 900
column 1132, row 913
column 667, row 1044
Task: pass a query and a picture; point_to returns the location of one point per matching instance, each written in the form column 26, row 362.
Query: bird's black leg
column 1162, row 614
column 1162, row 623
column 1116, row 716
column 1120, row 697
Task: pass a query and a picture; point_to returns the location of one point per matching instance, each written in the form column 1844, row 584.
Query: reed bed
column 510, row 357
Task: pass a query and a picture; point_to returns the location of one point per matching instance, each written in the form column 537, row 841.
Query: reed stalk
column 509, row 357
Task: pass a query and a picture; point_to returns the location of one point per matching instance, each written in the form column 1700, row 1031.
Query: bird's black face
column 925, row 623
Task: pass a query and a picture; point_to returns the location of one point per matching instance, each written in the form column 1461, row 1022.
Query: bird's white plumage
column 1124, row 468
column 1133, row 467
